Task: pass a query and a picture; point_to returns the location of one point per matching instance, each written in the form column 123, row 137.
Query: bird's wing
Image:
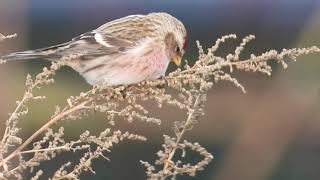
column 86, row 46
column 131, row 28
column 109, row 39
column 94, row 44
column 116, row 36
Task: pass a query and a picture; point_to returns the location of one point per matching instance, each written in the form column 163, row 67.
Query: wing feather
column 87, row 46
column 118, row 36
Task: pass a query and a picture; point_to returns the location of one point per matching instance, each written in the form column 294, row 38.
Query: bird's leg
column 131, row 88
column 160, row 86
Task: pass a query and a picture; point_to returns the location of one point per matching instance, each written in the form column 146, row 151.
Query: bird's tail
column 49, row 53
column 21, row 56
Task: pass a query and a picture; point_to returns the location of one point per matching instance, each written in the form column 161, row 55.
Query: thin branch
column 45, row 149
column 10, row 119
column 181, row 133
column 43, row 128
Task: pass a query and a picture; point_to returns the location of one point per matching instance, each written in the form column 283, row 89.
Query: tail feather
column 21, row 56
column 48, row 53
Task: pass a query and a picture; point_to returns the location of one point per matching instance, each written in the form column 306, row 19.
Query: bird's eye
column 177, row 49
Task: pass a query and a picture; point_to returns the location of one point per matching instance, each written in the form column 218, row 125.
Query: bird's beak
column 177, row 60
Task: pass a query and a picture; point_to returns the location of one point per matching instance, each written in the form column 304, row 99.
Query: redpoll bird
column 121, row 52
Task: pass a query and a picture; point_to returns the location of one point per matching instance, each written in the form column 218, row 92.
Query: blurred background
column 270, row 133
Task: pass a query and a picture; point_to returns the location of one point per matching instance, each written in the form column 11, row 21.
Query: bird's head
column 174, row 35
column 176, row 47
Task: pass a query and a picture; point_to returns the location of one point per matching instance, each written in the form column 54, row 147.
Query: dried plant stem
column 271, row 55
column 180, row 134
column 42, row 150
column 214, row 67
column 5, row 135
column 10, row 119
column 126, row 102
column 43, row 128
column 11, row 124
column 78, row 168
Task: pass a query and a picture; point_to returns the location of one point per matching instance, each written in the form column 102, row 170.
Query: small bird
column 121, row 52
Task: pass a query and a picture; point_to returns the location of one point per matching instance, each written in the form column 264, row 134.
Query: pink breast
column 157, row 63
